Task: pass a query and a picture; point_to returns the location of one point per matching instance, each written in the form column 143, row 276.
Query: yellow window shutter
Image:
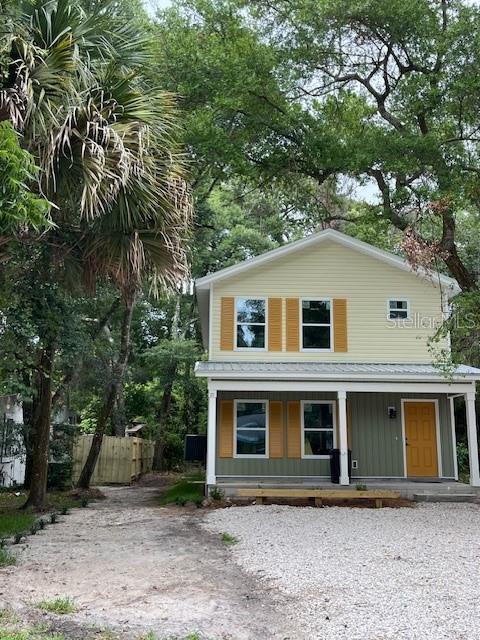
column 227, row 314
column 294, row 430
column 293, row 324
column 275, row 435
column 274, row 324
column 340, row 337
column 225, row 435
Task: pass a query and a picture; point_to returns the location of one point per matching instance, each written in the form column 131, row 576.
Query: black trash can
column 335, row 465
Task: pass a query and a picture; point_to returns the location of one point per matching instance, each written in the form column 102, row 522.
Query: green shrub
column 6, row 558
column 228, row 539
column 53, row 518
column 33, row 529
column 64, row 510
column 361, row 487
column 84, row 502
column 217, row 494
column 17, row 538
column 462, row 458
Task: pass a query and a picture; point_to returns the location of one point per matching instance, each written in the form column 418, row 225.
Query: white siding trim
column 373, row 387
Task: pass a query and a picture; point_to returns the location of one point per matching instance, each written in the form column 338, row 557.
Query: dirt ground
column 134, row 567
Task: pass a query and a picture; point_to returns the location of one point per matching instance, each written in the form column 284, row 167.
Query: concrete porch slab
column 420, row 491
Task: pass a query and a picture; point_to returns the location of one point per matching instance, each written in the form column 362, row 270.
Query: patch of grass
column 361, row 487
column 187, row 489
column 29, row 634
column 12, row 522
column 61, row 606
column 7, row 559
column 228, row 539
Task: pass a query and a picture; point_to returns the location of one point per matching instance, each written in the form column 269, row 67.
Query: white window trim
column 260, row 324
column 306, row 349
column 302, row 416
column 398, row 299
column 250, row 455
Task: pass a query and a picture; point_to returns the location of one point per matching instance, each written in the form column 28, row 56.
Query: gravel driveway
column 133, row 567
column 366, row 574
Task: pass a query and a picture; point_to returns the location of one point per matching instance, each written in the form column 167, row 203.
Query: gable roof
column 318, row 238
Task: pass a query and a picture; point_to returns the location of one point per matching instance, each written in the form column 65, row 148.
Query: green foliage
column 361, row 487
column 20, row 209
column 6, row 558
column 60, row 606
column 462, row 458
column 217, row 494
column 188, row 489
column 13, row 521
column 228, row 539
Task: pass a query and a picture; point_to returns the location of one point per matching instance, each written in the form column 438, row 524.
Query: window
column 316, row 324
column 398, row 310
column 318, row 428
column 251, row 428
column 251, row 323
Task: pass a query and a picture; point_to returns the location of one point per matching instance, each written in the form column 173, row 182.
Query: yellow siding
column 331, row 270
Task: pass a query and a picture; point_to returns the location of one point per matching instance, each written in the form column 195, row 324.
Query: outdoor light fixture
column 392, row 413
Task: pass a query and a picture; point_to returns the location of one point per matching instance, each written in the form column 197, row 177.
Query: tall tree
column 105, row 144
column 384, row 93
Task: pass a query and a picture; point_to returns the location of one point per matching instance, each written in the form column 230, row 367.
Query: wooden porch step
column 320, row 494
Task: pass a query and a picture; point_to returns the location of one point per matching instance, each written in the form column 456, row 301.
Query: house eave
column 446, row 282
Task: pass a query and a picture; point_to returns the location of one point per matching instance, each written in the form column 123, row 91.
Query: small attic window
column 398, row 309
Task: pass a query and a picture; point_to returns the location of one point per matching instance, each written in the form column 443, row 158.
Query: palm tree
column 105, row 143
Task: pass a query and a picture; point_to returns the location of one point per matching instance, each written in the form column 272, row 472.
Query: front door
column 421, row 439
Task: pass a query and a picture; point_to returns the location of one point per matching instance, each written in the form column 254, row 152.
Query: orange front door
column 421, row 439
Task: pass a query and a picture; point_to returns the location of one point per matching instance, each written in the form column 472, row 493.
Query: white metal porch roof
column 333, row 371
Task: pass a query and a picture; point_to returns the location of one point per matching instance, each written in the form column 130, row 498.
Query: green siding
column 376, row 440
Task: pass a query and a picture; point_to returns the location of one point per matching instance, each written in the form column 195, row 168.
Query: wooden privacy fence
column 120, row 460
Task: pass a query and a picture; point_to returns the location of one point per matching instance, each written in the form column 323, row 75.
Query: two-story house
column 323, row 344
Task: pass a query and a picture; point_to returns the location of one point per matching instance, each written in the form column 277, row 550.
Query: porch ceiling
column 413, row 372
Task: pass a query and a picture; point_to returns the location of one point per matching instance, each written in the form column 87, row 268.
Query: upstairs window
column 316, row 325
column 398, row 310
column 251, row 323
column 251, row 428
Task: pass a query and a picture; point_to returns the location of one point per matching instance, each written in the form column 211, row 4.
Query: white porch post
column 472, row 439
column 454, row 436
column 211, row 435
column 342, row 430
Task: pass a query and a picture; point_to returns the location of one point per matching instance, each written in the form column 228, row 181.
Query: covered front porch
column 399, row 426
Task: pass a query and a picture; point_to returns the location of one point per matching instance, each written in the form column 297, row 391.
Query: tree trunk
column 162, row 419
column 28, row 435
column 119, row 421
column 111, row 393
column 41, row 425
